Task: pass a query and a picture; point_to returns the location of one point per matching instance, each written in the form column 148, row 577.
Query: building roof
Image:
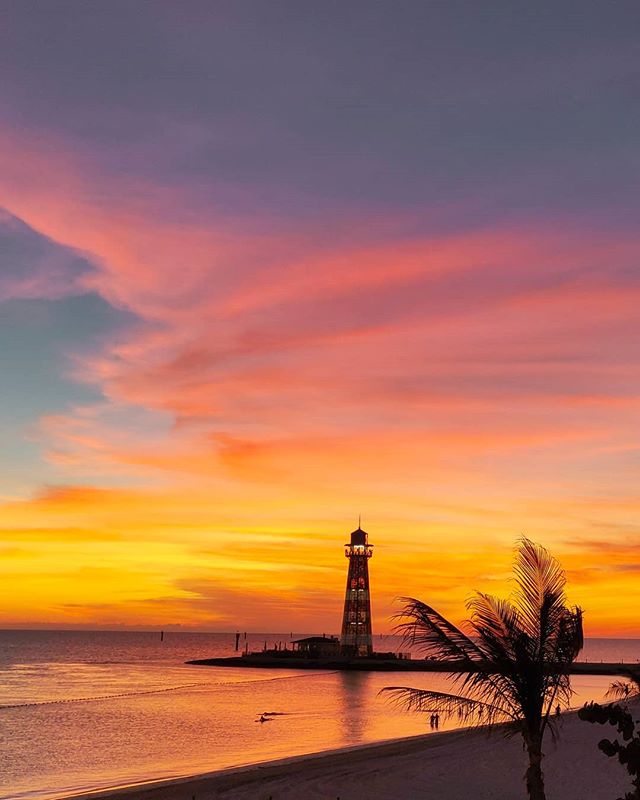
column 316, row 640
column 359, row 538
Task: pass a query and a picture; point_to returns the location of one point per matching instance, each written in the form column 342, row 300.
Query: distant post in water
column 356, row 637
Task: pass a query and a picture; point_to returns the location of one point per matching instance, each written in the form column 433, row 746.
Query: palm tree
column 513, row 666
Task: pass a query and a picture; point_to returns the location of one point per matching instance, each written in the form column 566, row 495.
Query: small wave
column 104, row 697
column 117, row 696
column 297, row 677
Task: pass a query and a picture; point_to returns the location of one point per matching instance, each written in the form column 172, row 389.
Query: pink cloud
column 255, row 345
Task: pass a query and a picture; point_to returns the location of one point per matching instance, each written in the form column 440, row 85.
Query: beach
column 448, row 765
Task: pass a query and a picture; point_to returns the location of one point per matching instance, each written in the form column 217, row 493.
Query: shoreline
column 275, row 767
column 445, row 764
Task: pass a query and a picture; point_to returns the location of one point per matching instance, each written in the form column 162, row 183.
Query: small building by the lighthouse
column 356, row 636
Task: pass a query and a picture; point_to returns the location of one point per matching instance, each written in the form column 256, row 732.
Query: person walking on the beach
column 432, row 720
column 436, row 720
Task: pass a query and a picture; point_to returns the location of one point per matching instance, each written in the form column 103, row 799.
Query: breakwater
column 291, row 661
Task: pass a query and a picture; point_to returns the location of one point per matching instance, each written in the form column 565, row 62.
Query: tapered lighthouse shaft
column 356, row 637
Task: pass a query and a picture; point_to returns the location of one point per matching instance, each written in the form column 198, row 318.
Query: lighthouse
column 356, row 620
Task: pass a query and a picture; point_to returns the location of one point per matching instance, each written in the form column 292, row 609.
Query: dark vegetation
column 627, row 746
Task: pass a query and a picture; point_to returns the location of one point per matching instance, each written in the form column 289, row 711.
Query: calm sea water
column 89, row 710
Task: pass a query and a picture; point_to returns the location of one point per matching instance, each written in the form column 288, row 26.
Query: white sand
column 458, row 765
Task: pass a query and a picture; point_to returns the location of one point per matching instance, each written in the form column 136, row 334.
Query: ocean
column 92, row 710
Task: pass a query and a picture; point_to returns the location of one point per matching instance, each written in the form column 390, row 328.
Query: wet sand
column 446, row 766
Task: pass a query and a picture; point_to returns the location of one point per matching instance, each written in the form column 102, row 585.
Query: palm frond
column 496, row 623
column 434, row 635
column 568, row 638
column 486, row 681
column 466, row 709
column 622, row 690
column 563, row 645
column 540, row 583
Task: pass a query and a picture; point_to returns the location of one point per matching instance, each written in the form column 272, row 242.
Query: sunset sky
column 265, row 266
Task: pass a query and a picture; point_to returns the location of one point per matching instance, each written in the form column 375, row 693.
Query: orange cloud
column 459, row 389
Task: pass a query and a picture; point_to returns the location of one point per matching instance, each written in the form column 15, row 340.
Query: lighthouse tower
column 356, row 620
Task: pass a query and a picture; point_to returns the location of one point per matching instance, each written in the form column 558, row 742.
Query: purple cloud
column 32, row 266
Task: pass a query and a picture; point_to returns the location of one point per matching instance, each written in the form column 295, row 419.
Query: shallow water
column 100, row 709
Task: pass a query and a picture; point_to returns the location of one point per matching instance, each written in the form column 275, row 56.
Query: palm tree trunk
column 534, row 779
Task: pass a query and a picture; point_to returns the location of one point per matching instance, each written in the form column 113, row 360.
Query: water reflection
column 354, row 698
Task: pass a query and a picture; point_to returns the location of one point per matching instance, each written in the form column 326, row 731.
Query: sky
column 265, row 267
